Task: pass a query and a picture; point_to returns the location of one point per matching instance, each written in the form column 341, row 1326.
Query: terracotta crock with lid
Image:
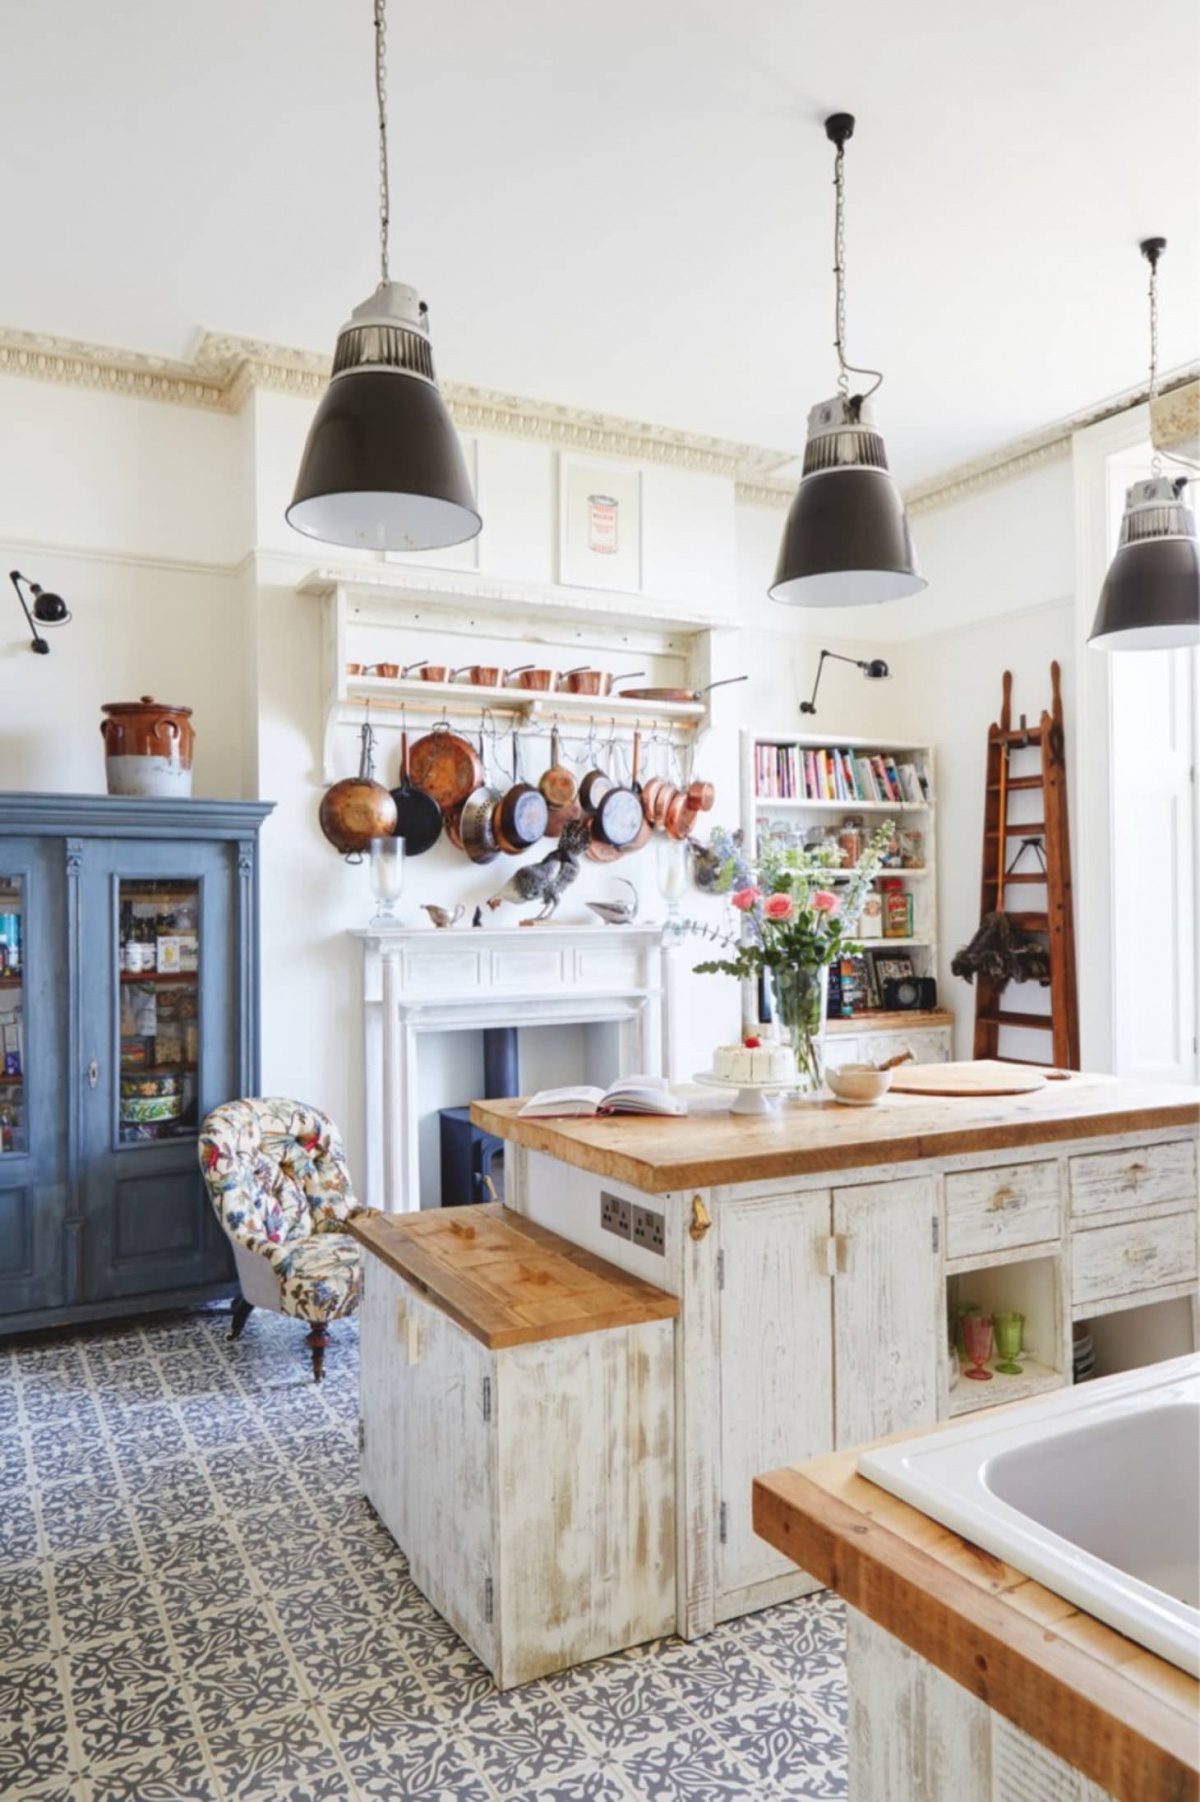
column 147, row 747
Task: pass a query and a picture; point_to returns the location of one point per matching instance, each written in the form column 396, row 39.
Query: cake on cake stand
column 749, row 1097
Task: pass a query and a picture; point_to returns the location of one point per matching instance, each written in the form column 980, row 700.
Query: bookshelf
column 785, row 782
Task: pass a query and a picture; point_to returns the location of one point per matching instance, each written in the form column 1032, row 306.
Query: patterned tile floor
column 196, row 1602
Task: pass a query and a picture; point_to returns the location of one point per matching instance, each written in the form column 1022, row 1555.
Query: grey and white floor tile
column 198, row 1605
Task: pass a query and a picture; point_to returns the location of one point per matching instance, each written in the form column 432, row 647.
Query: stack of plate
column 1083, row 1354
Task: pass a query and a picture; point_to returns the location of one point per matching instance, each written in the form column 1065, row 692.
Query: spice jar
column 850, row 838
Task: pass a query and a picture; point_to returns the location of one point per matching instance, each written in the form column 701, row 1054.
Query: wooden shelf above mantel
column 446, row 615
column 388, row 592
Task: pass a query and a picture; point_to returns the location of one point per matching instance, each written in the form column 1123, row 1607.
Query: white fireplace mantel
column 459, row 979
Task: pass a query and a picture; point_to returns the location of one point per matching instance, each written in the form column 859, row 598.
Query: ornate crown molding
column 224, row 370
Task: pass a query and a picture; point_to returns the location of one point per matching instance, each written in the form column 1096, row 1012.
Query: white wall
column 167, row 538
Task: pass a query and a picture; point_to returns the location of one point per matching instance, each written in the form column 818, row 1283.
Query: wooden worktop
column 1114, row 1711
column 506, row 1280
column 709, row 1145
column 898, row 1020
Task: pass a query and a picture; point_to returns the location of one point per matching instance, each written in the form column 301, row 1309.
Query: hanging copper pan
column 522, row 815
column 445, row 766
column 645, row 829
column 558, row 785
column 355, row 811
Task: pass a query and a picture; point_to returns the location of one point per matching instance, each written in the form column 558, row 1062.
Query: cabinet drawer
column 1109, row 1261
column 1104, row 1182
column 1006, row 1205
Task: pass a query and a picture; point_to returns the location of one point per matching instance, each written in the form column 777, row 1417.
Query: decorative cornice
column 224, row 370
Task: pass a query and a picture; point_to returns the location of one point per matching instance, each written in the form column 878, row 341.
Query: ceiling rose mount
column 1151, row 595
column 846, row 542
column 383, row 468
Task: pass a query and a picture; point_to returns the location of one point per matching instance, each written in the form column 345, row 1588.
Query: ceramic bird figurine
column 617, row 913
column 549, row 880
column 443, row 916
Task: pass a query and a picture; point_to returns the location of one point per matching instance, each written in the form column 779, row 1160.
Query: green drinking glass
column 1009, row 1330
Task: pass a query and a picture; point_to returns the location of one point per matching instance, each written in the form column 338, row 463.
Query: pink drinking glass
column 979, row 1340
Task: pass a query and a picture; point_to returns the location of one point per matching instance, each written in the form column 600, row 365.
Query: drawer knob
column 1141, row 1254
column 1004, row 1199
column 1136, row 1172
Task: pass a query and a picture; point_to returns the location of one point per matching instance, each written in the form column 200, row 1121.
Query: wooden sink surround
column 985, row 1638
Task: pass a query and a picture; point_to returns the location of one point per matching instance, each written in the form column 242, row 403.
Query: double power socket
column 626, row 1220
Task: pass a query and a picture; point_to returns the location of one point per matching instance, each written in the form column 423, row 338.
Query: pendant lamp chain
column 385, row 199
column 839, row 266
column 1152, row 256
column 838, row 129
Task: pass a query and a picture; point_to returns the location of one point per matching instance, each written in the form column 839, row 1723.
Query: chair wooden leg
column 317, row 1340
column 239, row 1314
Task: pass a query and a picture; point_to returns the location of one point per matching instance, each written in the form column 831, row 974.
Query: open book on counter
column 628, row 1095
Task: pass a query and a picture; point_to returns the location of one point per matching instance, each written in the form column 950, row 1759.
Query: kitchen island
column 817, row 1254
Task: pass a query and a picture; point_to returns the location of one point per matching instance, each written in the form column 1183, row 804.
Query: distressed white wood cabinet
column 817, row 1255
column 518, row 1436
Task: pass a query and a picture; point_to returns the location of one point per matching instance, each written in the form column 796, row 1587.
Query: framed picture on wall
column 453, row 556
column 599, row 525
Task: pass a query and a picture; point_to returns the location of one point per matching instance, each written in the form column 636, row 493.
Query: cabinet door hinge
column 489, row 1600
column 723, row 1522
column 720, row 1270
column 487, row 1400
column 934, row 1233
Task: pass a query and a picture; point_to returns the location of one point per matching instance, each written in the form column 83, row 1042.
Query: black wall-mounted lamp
column 873, row 668
column 48, row 609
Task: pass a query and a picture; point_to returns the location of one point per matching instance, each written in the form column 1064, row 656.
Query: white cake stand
column 751, row 1097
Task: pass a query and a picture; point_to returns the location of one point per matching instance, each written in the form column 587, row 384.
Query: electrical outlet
column 649, row 1230
column 616, row 1215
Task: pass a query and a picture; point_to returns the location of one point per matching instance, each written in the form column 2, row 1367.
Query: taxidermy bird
column 549, row 880
column 617, row 913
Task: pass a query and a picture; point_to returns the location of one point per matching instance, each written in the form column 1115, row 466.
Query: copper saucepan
column 541, row 680
column 585, row 681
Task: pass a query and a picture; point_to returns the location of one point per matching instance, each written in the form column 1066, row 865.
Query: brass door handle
column 701, row 1219
column 1004, row 1199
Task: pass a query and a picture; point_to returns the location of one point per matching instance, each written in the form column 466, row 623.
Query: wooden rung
column 1029, row 1063
column 1018, row 737
column 993, row 788
column 1039, row 1022
column 1030, row 922
column 1023, row 829
column 1023, row 876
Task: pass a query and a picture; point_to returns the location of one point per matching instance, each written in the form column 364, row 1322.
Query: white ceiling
column 626, row 206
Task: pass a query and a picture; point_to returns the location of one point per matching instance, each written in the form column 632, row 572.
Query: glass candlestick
column 671, row 857
column 387, row 879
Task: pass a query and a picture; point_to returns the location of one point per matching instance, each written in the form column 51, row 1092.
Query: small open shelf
column 159, row 976
column 1026, row 1285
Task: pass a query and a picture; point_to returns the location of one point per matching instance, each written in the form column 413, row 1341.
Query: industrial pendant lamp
column 846, row 542
column 383, row 468
column 1151, row 596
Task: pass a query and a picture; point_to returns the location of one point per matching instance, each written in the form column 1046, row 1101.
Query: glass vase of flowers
column 794, row 925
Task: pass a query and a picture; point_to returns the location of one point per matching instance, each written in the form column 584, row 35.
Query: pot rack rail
column 393, row 701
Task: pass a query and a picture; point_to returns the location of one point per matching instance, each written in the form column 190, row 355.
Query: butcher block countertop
column 710, row 1146
column 506, row 1280
column 1114, row 1711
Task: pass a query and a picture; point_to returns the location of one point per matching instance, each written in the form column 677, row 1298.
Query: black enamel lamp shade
column 846, row 542
column 383, row 468
column 1151, row 596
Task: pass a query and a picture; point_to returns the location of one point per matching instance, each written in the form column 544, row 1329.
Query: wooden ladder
column 1057, row 921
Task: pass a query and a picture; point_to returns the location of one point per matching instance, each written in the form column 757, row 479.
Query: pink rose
column 824, row 902
column 779, row 907
column 747, row 898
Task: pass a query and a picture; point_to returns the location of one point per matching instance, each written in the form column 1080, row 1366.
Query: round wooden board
column 985, row 1077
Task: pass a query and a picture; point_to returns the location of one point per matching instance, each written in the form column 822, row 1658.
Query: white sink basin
column 1094, row 1492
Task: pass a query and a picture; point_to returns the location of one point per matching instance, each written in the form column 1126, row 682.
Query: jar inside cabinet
column 158, row 954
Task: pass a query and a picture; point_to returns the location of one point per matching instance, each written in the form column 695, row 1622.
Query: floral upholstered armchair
column 276, row 1174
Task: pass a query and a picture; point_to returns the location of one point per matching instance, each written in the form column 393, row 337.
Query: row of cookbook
column 794, row 773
